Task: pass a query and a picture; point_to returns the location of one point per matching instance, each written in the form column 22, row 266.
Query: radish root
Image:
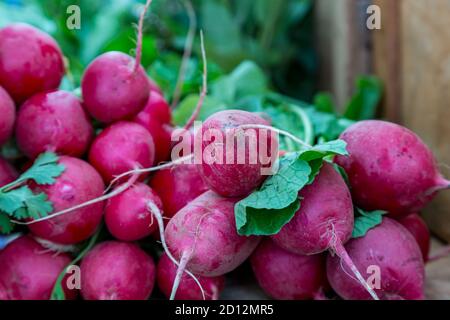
column 441, row 253
column 279, row 131
column 137, row 61
column 159, row 218
column 204, row 86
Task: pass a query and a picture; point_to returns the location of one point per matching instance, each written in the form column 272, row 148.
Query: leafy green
column 6, row 226
column 363, row 104
column 268, row 209
column 364, row 221
column 18, row 201
column 58, row 290
column 323, row 102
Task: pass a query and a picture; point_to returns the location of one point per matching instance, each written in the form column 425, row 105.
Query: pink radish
column 127, row 215
column 78, row 183
column 418, row 228
column 7, row 172
column 8, row 112
column 323, row 222
column 234, row 179
column 388, row 252
column 177, row 186
column 287, row 276
column 389, row 168
column 166, row 272
column 115, row 270
column 29, row 271
column 121, row 147
column 53, row 121
column 30, row 61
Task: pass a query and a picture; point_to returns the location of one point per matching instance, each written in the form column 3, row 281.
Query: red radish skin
column 177, row 186
column 287, row 276
column 112, row 89
column 121, row 147
column 389, row 168
column 394, row 250
column 418, row 228
column 115, row 270
column 127, row 215
column 8, row 112
column 30, row 61
column 29, row 271
column 53, row 121
column 78, row 183
column 204, row 231
column 323, row 222
column 232, row 179
column 154, row 86
column 156, row 117
column 7, row 172
column 166, row 272
column 326, row 210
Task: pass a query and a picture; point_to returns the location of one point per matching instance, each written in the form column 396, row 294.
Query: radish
column 418, row 228
column 156, row 117
column 78, row 183
column 30, row 61
column 390, row 249
column 287, row 276
column 177, row 186
column 53, row 121
column 166, row 272
column 115, row 85
column 121, row 147
column 7, row 172
column 223, row 173
column 324, row 220
column 203, row 237
column 115, row 270
column 127, row 215
column 389, row 168
column 8, row 112
column 29, row 271
column 154, row 86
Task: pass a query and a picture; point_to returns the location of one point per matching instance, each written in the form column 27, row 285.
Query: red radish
column 177, row 186
column 127, row 215
column 389, row 168
column 30, row 61
column 392, row 250
column 29, row 271
column 418, row 228
column 78, row 183
column 8, row 112
column 156, row 117
column 323, row 222
column 203, row 235
column 154, row 86
column 113, row 89
column 7, row 172
column 287, row 276
column 115, row 270
column 231, row 178
column 166, row 272
column 53, row 121
column 121, row 147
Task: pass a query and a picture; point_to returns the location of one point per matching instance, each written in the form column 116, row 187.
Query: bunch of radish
column 190, row 207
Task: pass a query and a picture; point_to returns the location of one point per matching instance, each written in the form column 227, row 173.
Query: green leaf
column 364, row 221
column 58, row 291
column 323, row 102
column 22, row 203
column 185, row 109
column 6, row 226
column 44, row 169
column 364, row 102
column 268, row 209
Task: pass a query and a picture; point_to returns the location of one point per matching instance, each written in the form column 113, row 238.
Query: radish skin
column 389, row 247
column 8, row 112
column 53, row 121
column 389, row 168
column 7, row 172
column 287, row 276
column 418, row 228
